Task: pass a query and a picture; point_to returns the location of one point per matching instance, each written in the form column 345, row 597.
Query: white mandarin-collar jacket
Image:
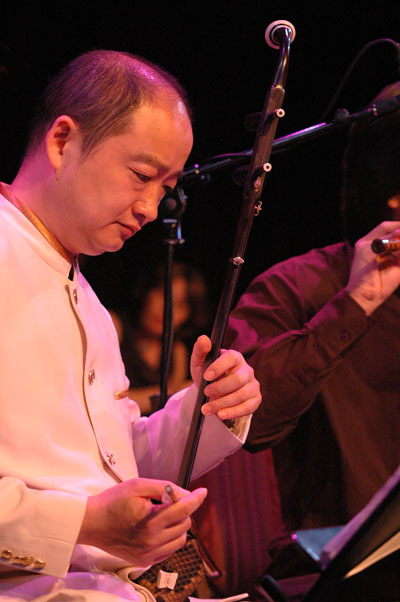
column 64, row 433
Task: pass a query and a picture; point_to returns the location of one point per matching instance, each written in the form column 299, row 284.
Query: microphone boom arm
column 342, row 118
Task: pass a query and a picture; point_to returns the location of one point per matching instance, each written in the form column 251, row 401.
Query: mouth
column 128, row 231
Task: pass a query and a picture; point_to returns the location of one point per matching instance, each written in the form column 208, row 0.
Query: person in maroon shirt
column 322, row 332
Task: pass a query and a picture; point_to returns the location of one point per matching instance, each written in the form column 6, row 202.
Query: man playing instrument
column 110, row 136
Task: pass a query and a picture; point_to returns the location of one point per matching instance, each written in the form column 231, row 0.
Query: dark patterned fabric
column 187, row 563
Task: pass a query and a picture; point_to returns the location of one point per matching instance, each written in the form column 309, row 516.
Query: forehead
column 159, row 134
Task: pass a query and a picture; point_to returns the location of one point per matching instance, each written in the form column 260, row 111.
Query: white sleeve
column 159, row 440
column 38, row 529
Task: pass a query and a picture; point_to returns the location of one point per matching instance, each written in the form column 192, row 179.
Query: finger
column 173, row 522
column 242, row 402
column 162, row 543
column 186, row 505
column 388, row 259
column 228, row 361
column 200, row 351
column 171, row 531
column 201, row 348
column 153, row 488
column 178, row 515
column 166, row 550
column 166, row 528
column 173, row 493
column 231, row 381
column 174, row 513
column 246, row 408
column 383, row 229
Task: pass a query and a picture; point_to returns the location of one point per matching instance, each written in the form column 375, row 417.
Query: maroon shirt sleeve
column 294, row 324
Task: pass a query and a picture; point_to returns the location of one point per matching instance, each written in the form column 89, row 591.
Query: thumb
column 200, row 351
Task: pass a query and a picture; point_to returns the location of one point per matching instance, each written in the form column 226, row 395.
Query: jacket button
column 91, row 376
column 39, row 564
column 110, row 458
column 24, row 560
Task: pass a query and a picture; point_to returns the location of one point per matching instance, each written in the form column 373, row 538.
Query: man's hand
column 234, row 391
column 373, row 278
column 123, row 520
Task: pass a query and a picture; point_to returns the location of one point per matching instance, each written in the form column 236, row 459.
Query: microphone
column 173, row 204
column 275, row 29
column 380, row 245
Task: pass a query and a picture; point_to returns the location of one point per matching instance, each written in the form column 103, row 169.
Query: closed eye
column 145, row 178
column 141, row 176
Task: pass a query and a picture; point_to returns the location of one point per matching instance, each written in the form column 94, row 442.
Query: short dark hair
column 371, row 169
column 100, row 90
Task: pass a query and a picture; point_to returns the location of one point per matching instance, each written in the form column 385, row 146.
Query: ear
column 63, row 134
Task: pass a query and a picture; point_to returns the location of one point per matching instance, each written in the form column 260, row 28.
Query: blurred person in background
column 140, row 330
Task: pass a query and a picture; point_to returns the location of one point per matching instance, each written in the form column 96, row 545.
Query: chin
column 105, row 248
column 111, row 245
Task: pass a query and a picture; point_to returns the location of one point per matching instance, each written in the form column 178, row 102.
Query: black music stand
column 361, row 562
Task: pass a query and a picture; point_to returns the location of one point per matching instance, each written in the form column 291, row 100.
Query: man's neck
column 8, row 193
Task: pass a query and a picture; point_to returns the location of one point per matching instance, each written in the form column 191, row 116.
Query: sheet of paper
column 391, row 545
column 230, row 599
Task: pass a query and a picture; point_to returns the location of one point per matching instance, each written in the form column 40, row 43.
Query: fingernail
column 209, row 375
column 206, row 410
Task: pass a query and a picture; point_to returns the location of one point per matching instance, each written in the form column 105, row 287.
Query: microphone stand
column 171, row 208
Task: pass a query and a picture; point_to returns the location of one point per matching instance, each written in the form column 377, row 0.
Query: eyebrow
column 154, row 162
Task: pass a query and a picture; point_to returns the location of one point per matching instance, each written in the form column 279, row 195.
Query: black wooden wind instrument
column 279, row 34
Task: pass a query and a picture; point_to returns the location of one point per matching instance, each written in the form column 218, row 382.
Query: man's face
column 109, row 195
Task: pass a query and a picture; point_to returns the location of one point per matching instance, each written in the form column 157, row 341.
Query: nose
column 146, row 209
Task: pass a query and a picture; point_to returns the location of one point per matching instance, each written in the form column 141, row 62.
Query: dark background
column 218, row 53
